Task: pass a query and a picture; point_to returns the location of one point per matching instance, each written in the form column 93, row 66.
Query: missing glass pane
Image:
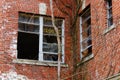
column 28, row 46
column 32, row 28
column 28, row 27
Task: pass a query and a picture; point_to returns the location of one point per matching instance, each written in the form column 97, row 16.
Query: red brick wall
column 8, row 40
column 105, row 46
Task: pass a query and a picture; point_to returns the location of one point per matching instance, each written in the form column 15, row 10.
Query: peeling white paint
column 13, row 50
column 14, row 32
column 13, row 46
column 42, row 8
column 5, row 7
column 14, row 40
column 14, row 53
column 2, row 27
column 5, row 20
column 12, row 75
column 96, row 74
column 83, row 5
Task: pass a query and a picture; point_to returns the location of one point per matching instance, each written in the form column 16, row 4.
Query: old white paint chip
column 42, row 8
column 83, row 5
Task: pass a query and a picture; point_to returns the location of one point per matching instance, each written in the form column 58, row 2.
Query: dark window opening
column 109, row 13
column 28, row 46
column 49, row 39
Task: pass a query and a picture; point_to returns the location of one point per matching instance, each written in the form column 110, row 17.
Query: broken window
column 109, row 13
column 37, row 39
column 50, row 48
column 85, row 34
column 28, row 37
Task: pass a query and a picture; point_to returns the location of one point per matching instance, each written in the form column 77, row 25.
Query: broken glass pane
column 33, row 19
column 86, row 16
column 32, row 28
column 86, row 29
column 28, row 18
column 36, row 20
column 28, row 27
column 50, row 57
column 50, row 47
column 87, row 42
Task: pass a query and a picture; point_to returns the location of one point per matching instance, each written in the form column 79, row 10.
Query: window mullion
column 89, row 37
column 86, row 48
column 62, row 36
column 41, row 39
column 81, row 37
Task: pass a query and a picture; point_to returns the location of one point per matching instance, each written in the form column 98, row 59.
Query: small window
column 37, row 39
column 109, row 13
column 85, row 34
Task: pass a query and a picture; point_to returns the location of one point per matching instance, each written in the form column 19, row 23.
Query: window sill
column 114, row 77
column 109, row 29
column 86, row 59
column 36, row 62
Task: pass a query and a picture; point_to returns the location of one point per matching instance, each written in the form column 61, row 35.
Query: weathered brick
column 106, row 47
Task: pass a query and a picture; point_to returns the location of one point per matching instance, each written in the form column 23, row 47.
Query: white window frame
column 81, row 40
column 40, row 56
column 41, row 41
column 108, row 13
